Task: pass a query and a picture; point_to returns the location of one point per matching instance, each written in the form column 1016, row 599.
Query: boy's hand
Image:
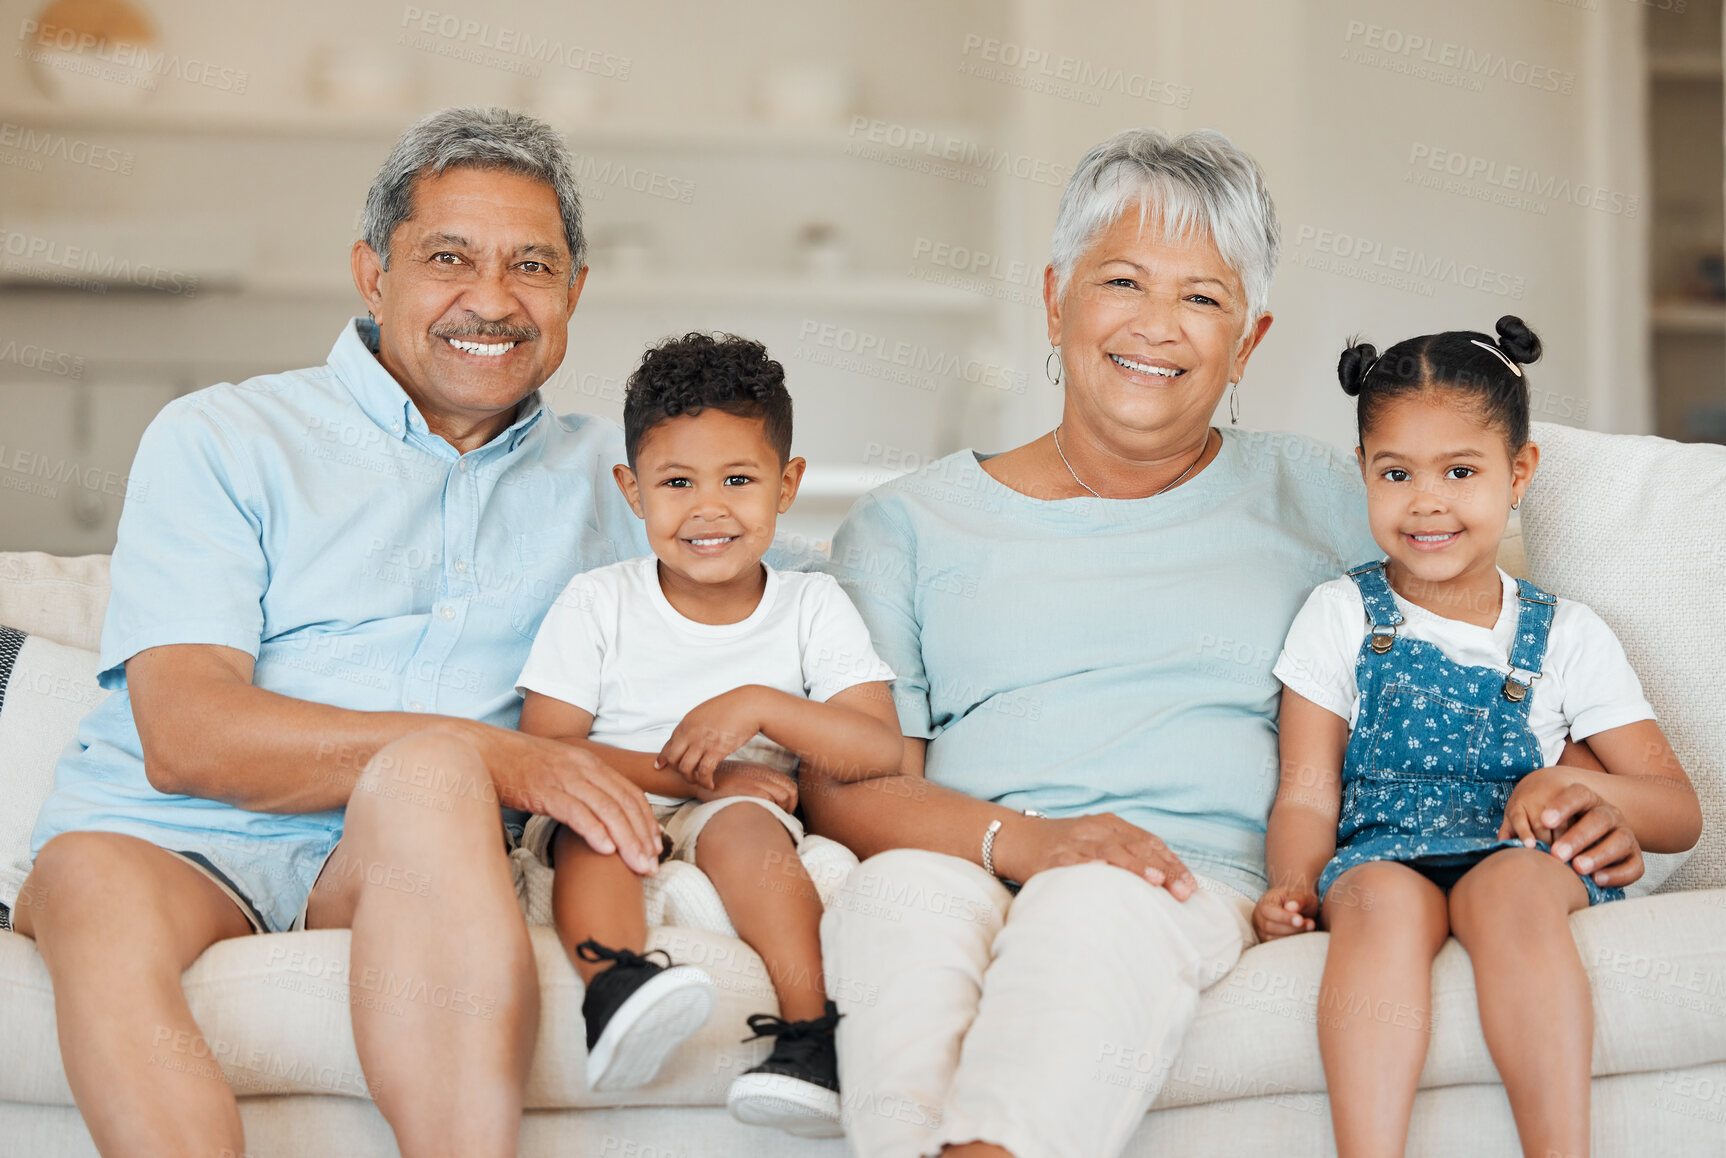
column 1284, row 911
column 1582, row 827
column 712, row 731
column 736, row 778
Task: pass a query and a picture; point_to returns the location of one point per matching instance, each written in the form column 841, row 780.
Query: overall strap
column 1528, row 649
column 1381, row 608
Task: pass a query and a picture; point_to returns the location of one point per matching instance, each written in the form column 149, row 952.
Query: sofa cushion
column 1633, row 527
column 63, row 599
column 274, row 1010
column 1657, row 967
column 46, row 688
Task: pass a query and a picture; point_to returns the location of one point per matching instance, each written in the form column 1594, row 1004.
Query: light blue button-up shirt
column 311, row 520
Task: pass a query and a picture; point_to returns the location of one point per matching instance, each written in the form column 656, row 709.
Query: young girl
column 1427, row 698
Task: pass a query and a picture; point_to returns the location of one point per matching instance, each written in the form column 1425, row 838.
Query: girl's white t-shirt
column 1587, row 685
column 614, row 646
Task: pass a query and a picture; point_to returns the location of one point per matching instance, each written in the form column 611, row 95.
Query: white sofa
column 1249, row 1079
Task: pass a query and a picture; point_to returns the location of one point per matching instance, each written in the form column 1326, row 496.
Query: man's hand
column 1284, row 911
column 1583, row 828
column 712, row 731
column 737, row 778
column 572, row 785
column 1026, row 847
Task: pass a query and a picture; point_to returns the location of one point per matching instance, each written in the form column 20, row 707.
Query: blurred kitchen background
column 868, row 186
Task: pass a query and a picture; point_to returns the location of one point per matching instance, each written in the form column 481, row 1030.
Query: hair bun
column 1517, row 340
column 1351, row 369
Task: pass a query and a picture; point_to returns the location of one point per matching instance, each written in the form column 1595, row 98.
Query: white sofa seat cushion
column 275, row 1011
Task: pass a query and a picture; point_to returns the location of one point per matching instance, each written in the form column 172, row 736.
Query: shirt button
column 461, row 566
column 416, row 706
column 447, row 612
column 461, row 465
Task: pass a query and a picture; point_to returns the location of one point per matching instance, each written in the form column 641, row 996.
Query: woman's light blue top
column 1095, row 655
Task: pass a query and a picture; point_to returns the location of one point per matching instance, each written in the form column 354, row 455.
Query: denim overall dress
column 1437, row 746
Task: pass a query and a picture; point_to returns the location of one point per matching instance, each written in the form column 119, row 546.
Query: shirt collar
column 354, row 358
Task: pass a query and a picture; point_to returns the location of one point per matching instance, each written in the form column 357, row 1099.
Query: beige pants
column 1027, row 1021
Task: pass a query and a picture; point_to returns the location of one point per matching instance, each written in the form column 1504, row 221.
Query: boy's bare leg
column 1512, row 914
column 1386, row 923
column 594, row 895
column 424, row 882
column 118, row 920
column 773, row 905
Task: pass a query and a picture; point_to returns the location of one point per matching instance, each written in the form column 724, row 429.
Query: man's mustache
column 479, row 330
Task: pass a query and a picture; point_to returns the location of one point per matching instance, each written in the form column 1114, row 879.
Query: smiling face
column 473, row 311
column 1151, row 331
column 711, row 488
column 1440, row 482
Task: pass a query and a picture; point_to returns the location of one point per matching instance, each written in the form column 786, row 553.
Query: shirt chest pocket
column 1417, row 734
column 547, row 560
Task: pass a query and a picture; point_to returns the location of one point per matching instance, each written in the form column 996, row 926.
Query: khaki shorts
column 680, row 824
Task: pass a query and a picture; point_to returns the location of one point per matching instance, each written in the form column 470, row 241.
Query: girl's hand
column 1584, row 829
column 710, row 732
column 1037, row 843
column 736, row 778
column 1284, row 911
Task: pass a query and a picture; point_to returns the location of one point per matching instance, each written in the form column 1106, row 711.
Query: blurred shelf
column 329, row 124
column 1689, row 317
column 1684, row 66
column 878, row 292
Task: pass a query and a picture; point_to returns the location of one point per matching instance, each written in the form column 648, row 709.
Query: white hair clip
column 1502, row 356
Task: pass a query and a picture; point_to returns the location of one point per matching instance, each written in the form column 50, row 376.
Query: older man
column 321, row 599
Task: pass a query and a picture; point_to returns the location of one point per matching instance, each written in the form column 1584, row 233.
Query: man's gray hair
column 473, row 138
column 1198, row 182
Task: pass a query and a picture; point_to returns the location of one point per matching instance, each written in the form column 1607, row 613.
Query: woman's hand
column 1284, row 911
column 737, row 778
column 1584, row 829
column 710, row 732
column 1027, row 846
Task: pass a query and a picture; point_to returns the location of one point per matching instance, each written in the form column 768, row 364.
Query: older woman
column 1084, row 629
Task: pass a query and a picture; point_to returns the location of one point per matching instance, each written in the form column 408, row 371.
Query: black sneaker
column 797, row 1087
column 637, row 1012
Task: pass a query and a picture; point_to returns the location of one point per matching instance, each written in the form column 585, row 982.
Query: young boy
column 705, row 677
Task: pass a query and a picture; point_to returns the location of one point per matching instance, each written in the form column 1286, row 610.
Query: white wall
column 265, row 185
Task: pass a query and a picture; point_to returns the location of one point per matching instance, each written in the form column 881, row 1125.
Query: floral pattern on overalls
column 1437, row 746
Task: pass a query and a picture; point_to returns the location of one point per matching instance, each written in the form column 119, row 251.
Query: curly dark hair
column 687, row 375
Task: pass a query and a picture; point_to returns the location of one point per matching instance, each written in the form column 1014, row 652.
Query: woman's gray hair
column 473, row 138
column 1196, row 181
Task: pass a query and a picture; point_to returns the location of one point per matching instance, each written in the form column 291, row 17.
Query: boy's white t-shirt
column 613, row 645
column 1587, row 685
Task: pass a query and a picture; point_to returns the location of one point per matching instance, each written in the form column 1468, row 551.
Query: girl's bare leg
column 595, row 895
column 1386, row 924
column 773, row 905
column 1512, row 913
